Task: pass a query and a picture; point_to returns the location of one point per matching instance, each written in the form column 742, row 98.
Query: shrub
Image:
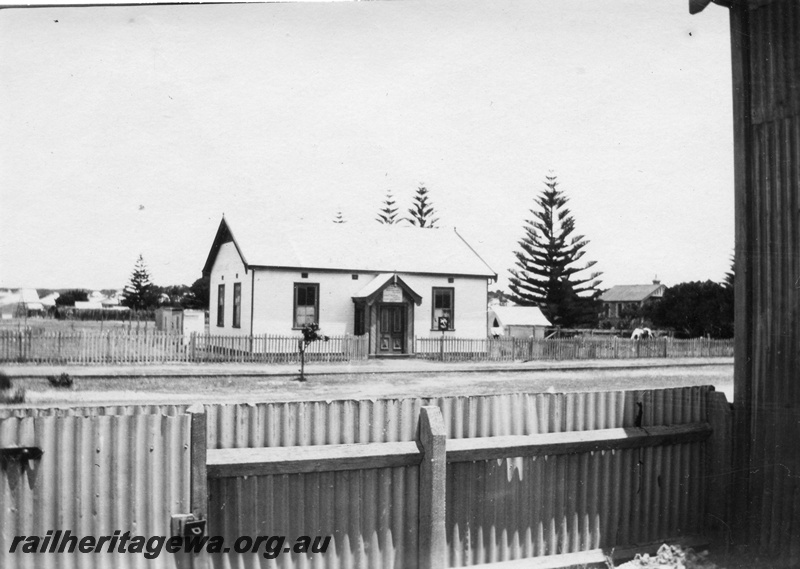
column 671, row 557
column 11, row 396
column 8, row 393
column 63, row 380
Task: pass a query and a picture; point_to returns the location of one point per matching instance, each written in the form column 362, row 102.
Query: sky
column 131, row 130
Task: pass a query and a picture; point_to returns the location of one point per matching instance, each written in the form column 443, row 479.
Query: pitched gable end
column 224, row 235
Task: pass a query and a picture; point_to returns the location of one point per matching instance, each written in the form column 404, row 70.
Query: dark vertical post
column 432, row 439
column 198, row 484
column 199, row 478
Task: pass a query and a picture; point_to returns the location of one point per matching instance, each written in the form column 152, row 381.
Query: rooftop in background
column 354, row 247
column 520, row 316
column 632, row 293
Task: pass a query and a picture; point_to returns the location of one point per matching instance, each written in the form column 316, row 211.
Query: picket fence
column 115, row 347
column 581, row 348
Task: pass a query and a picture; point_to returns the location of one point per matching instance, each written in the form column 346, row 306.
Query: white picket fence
column 115, row 347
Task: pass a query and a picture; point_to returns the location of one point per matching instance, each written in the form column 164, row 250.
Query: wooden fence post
column 198, row 482
column 198, row 451
column 432, row 438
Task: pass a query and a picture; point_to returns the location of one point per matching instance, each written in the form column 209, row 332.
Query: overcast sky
column 130, row 130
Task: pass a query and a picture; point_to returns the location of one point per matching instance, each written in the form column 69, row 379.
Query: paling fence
column 68, row 347
column 523, row 475
column 583, row 348
column 56, row 347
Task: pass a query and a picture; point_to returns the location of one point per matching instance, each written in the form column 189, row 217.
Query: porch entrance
column 392, row 329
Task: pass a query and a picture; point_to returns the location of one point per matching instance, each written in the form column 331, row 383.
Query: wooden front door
column 392, row 329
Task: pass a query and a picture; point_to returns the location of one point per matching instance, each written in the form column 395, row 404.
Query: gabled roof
column 352, row 247
column 520, row 316
column 630, row 293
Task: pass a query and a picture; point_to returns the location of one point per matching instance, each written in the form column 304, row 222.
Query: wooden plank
column 432, row 534
column 487, row 448
column 223, row 463
column 198, row 458
column 591, row 558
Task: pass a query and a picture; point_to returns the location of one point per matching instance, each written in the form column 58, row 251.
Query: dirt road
column 346, row 383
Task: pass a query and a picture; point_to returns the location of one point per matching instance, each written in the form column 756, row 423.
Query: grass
column 53, row 325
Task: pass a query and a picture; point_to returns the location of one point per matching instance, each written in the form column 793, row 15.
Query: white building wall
column 229, row 269
column 274, row 298
column 470, row 297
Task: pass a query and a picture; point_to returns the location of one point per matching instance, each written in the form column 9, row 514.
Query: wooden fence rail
column 653, row 487
column 126, row 347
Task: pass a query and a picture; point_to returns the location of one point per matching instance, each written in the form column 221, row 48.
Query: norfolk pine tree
column 387, row 215
column 422, row 211
column 140, row 293
column 547, row 273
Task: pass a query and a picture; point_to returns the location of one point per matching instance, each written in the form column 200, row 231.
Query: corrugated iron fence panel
column 302, row 423
column 371, row 516
column 496, row 510
column 767, row 387
column 522, row 507
column 98, row 474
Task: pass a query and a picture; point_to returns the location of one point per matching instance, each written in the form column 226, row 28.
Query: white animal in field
column 642, row 334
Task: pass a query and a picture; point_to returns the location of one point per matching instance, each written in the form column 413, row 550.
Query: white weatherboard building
column 390, row 282
column 517, row 321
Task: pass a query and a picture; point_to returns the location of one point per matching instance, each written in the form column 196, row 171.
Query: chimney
column 656, row 281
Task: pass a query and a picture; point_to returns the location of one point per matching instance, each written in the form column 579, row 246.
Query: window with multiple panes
column 221, row 305
column 237, row 305
column 443, row 307
column 306, row 304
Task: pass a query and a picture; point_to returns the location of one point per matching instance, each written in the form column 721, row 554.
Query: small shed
column 169, row 320
column 194, row 321
column 517, row 322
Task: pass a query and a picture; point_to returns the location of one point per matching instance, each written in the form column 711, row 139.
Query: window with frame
column 306, row 304
column 221, row 305
column 443, row 307
column 237, row 305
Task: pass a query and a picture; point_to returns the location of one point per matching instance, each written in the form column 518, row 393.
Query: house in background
column 21, row 304
column 620, row 298
column 390, row 282
column 517, row 322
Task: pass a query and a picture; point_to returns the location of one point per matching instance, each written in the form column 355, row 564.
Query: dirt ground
column 344, row 383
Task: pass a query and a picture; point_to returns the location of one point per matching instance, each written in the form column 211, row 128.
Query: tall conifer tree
column 387, row 215
column 140, row 293
column 546, row 273
column 422, row 212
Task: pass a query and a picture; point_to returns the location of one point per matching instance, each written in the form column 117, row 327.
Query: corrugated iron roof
column 520, row 316
column 629, row 293
column 349, row 246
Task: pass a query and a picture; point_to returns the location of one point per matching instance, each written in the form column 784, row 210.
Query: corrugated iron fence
column 97, row 474
column 127, row 468
column 31, row 346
